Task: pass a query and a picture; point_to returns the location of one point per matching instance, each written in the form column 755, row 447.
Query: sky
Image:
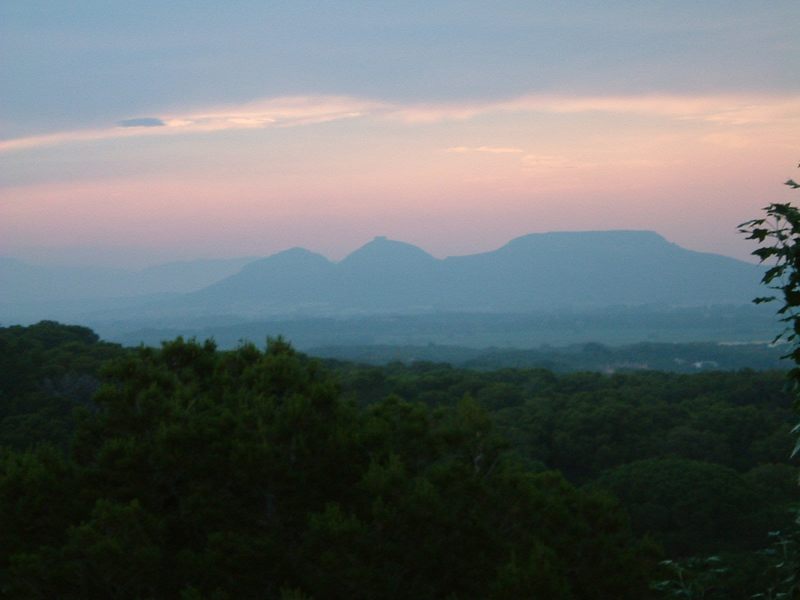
column 133, row 133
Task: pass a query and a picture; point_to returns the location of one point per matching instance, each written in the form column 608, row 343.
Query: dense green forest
column 185, row 471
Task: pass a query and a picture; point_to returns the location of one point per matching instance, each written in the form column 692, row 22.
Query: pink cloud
column 309, row 110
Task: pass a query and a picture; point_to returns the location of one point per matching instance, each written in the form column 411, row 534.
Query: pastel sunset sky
column 138, row 132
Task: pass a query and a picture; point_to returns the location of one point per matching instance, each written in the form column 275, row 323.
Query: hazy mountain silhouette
column 30, row 292
column 548, row 271
column 283, row 281
column 387, row 275
column 533, row 272
column 599, row 268
column 21, row 281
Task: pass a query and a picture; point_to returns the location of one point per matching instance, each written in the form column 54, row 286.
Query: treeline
column 189, row 472
column 46, row 371
column 694, row 357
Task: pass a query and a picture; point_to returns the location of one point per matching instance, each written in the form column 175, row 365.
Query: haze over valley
column 616, row 284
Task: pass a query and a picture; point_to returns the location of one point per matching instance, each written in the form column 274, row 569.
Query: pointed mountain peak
column 382, row 249
column 292, row 256
column 296, row 252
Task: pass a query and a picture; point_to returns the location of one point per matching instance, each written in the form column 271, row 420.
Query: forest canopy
column 184, row 471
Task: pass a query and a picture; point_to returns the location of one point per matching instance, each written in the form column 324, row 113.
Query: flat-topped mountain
column 532, row 272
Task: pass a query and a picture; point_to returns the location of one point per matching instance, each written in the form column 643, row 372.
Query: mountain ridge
column 530, row 272
column 537, row 271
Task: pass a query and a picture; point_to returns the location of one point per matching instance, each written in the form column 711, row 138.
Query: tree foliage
column 196, row 473
column 247, row 474
column 778, row 235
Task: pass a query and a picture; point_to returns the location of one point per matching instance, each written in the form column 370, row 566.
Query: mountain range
column 534, row 272
column 545, row 271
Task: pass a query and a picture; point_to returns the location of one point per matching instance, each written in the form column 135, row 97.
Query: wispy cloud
column 298, row 111
column 732, row 110
column 274, row 112
column 486, row 149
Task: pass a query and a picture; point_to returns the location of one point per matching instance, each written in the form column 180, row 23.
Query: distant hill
column 576, row 270
column 30, row 291
column 566, row 271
